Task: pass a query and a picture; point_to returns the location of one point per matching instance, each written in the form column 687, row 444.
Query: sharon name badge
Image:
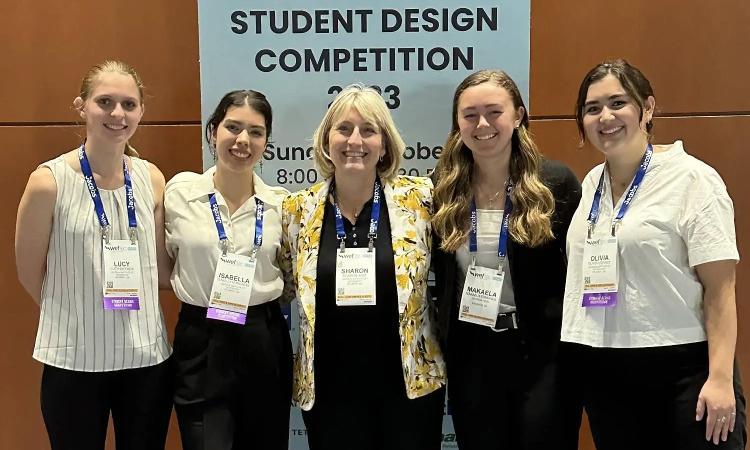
column 355, row 277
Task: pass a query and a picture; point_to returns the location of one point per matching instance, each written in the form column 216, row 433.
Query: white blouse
column 75, row 331
column 681, row 217
column 193, row 241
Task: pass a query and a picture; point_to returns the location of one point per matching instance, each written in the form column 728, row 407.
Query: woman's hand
column 716, row 401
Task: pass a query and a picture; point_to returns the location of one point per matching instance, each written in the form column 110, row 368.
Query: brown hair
column 636, row 85
column 533, row 203
column 89, row 80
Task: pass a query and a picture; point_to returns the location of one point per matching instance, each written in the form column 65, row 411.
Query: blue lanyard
column 257, row 242
column 374, row 217
column 634, row 186
column 88, row 177
column 502, row 245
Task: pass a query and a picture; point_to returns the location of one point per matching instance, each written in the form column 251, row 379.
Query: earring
column 381, row 158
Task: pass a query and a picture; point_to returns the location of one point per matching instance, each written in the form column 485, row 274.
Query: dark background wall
column 694, row 52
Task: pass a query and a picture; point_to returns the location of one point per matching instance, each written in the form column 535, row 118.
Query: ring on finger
column 723, row 419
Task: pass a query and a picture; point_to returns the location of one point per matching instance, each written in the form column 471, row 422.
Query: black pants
column 645, row 398
column 233, row 382
column 381, row 421
column 76, row 407
column 503, row 397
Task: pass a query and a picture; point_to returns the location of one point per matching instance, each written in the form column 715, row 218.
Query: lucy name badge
column 230, row 292
column 122, row 274
column 600, row 272
column 355, row 277
column 480, row 300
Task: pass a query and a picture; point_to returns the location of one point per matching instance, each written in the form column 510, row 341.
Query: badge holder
column 501, row 272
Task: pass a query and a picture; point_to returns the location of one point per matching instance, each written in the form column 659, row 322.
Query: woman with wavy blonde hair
column 502, row 214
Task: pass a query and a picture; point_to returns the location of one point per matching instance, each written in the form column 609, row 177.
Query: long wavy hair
column 533, row 204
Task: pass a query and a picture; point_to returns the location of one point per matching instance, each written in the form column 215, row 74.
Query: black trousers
column 645, row 398
column 233, row 383
column 503, row 397
column 385, row 420
column 76, row 407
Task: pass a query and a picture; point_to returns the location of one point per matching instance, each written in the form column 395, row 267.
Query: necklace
column 491, row 198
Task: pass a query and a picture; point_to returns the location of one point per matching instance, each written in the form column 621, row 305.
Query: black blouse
column 357, row 348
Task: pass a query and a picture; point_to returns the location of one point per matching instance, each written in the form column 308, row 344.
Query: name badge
column 122, row 274
column 231, row 289
column 480, row 300
column 600, row 272
column 355, row 277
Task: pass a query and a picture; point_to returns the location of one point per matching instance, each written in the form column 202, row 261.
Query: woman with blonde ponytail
column 502, row 214
column 89, row 248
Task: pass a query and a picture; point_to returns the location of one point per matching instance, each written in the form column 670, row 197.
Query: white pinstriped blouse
column 75, row 332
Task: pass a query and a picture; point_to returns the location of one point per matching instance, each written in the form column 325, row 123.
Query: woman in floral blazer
column 368, row 373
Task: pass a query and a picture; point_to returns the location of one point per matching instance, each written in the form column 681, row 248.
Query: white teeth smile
column 611, row 130
column 484, row 137
column 354, row 154
column 239, row 154
column 115, row 126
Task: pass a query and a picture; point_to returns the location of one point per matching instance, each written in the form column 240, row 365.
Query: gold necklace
column 495, row 196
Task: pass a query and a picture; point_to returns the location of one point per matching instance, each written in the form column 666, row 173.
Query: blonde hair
column 533, row 204
column 371, row 106
column 109, row 66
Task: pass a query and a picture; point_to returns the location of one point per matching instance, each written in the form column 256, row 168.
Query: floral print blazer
column 409, row 201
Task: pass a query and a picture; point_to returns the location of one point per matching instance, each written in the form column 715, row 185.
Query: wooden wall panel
column 49, row 45
column 693, row 52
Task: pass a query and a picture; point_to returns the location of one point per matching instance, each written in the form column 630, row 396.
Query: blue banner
column 300, row 54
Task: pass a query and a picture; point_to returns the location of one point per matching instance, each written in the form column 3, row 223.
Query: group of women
column 616, row 295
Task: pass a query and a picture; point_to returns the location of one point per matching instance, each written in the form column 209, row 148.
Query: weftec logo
column 476, row 274
column 231, row 262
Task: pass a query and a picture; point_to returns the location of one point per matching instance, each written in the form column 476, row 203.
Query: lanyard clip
column 371, row 243
column 342, row 245
column 615, row 226
column 254, row 253
column 591, row 229
column 132, row 232
column 106, row 230
column 224, row 244
column 501, row 266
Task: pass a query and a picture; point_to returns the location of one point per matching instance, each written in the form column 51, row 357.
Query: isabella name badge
column 230, row 292
column 122, row 274
column 600, row 272
column 355, row 277
column 480, row 300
